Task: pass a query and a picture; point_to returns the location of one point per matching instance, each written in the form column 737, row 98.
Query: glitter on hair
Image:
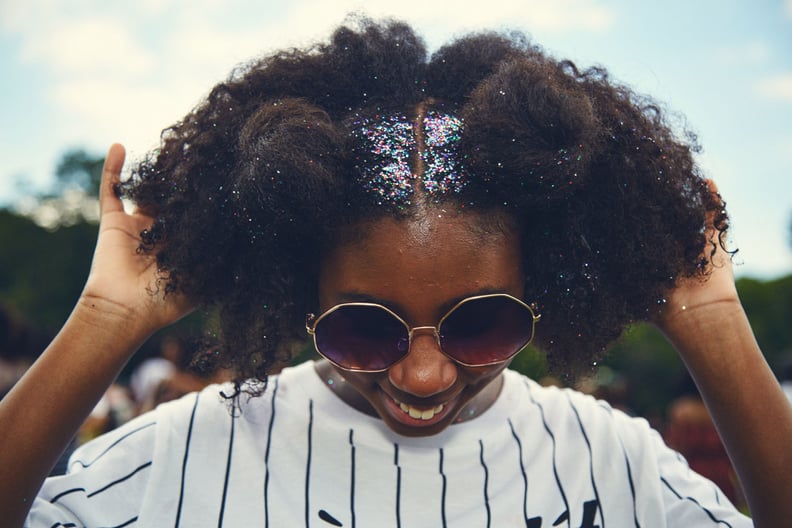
column 385, row 144
column 442, row 164
column 382, row 159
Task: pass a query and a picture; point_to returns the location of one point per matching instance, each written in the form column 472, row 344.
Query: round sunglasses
column 477, row 331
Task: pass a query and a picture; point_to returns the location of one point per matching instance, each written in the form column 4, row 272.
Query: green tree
column 72, row 197
column 42, row 271
column 78, row 168
column 769, row 308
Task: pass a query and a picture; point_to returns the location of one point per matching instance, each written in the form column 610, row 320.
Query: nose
column 425, row 371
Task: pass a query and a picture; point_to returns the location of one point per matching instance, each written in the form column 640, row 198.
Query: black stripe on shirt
column 609, row 410
column 694, row 501
column 66, row 525
column 553, row 441
column 122, row 479
column 111, row 446
column 591, row 459
column 522, row 470
column 267, row 453
column 62, row 494
column 486, row 481
column 443, row 496
column 125, row 523
column 632, row 486
column 398, row 484
column 352, row 478
column 184, row 461
column 326, row 517
column 308, row 463
column 57, row 497
column 228, row 471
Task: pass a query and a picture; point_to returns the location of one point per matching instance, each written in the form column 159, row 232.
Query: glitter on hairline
column 385, row 144
column 443, row 171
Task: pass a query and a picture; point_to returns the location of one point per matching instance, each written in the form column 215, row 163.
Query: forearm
column 46, row 407
column 753, row 417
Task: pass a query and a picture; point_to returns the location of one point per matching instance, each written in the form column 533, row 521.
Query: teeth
column 418, row 414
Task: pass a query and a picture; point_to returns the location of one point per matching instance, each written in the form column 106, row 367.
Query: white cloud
column 776, row 87
column 95, row 44
column 536, row 15
column 97, row 111
column 201, row 52
column 752, row 53
column 17, row 16
column 88, row 36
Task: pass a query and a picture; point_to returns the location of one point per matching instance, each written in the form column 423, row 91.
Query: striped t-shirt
column 299, row 456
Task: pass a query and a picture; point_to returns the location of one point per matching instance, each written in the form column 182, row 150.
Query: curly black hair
column 248, row 187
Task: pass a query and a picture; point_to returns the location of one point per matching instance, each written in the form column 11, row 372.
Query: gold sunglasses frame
column 312, row 320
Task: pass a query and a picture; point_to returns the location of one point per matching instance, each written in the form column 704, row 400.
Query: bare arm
column 707, row 325
column 116, row 312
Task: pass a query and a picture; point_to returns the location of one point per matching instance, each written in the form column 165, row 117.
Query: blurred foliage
column 45, row 263
column 769, row 308
column 42, row 271
column 649, row 366
column 78, row 168
column 73, row 196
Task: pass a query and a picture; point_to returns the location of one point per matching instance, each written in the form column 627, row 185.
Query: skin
column 420, row 269
column 116, row 313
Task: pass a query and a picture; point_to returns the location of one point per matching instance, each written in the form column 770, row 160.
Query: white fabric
column 786, row 386
column 146, row 379
column 299, row 456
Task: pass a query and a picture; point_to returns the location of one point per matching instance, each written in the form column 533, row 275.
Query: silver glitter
column 384, row 155
column 442, row 165
column 385, row 144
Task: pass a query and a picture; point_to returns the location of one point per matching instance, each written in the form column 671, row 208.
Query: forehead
column 433, row 259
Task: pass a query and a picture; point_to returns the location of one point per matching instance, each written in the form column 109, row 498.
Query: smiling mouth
column 420, row 414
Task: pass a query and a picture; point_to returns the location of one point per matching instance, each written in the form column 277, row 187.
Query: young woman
column 423, row 219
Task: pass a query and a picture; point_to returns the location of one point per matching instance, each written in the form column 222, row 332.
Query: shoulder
column 137, row 472
column 568, row 415
column 565, row 404
column 105, row 480
column 622, row 452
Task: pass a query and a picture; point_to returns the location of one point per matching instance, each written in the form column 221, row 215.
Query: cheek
column 478, row 377
column 362, row 381
column 360, row 389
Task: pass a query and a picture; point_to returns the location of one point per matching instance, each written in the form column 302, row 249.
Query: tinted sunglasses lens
column 361, row 338
column 486, row 330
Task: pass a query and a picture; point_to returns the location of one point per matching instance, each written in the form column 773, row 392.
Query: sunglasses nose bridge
column 425, row 330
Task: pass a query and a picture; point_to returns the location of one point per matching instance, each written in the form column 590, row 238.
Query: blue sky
column 85, row 73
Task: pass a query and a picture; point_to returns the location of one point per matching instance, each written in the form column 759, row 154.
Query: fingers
column 717, row 252
column 111, row 175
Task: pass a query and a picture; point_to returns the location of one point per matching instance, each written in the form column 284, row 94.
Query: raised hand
column 118, row 310
column 705, row 322
column 716, row 291
column 123, row 281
